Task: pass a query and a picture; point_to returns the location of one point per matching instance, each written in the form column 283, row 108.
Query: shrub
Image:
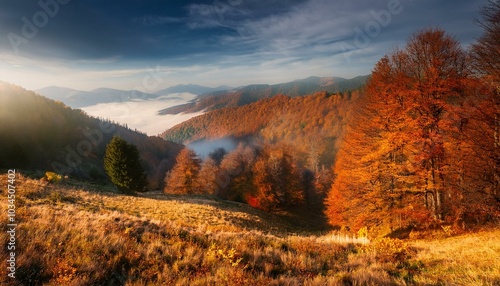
column 52, row 177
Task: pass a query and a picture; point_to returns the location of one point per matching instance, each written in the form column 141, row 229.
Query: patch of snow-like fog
column 143, row 114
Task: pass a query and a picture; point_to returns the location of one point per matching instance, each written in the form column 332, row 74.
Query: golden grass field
column 73, row 233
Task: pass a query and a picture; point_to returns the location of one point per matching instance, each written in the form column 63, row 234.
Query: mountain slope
column 191, row 88
column 78, row 99
column 40, row 134
column 253, row 93
column 311, row 123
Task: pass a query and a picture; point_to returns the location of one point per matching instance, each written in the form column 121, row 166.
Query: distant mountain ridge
column 252, row 93
column 78, row 99
column 209, row 98
column 191, row 88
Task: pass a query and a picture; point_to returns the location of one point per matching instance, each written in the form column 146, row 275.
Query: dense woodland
column 422, row 146
column 309, row 123
column 42, row 135
column 418, row 146
column 284, row 160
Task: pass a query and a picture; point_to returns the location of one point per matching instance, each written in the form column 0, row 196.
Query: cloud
column 143, row 114
column 217, row 14
column 96, row 43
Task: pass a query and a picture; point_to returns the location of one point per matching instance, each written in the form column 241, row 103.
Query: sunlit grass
column 472, row 259
column 79, row 234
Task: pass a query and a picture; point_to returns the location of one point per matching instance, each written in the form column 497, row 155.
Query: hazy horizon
column 153, row 45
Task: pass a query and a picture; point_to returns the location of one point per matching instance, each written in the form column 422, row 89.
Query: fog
column 143, row 114
column 204, row 147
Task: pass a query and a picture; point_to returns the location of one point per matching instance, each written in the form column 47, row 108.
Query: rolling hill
column 41, row 134
column 78, row 99
column 313, row 124
column 252, row 93
column 191, row 88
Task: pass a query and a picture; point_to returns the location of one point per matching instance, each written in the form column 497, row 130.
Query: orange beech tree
column 277, row 179
column 206, row 180
column 182, row 179
column 486, row 60
column 235, row 174
column 393, row 169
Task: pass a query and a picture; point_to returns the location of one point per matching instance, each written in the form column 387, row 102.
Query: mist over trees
column 267, row 177
column 418, row 147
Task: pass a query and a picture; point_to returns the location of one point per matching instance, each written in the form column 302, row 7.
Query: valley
column 234, row 143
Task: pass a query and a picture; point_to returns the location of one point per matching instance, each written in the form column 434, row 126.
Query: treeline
column 423, row 146
column 285, row 158
column 268, row 177
column 37, row 133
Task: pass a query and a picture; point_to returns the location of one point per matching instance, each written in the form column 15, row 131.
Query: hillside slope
column 191, row 88
column 80, row 234
column 40, row 134
column 252, row 93
column 313, row 124
column 78, row 99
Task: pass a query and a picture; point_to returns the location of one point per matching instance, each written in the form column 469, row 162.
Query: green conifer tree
column 123, row 165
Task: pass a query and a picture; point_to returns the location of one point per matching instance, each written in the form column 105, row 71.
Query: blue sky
column 152, row 44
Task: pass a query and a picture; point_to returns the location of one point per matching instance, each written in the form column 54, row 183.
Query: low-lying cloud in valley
column 143, row 114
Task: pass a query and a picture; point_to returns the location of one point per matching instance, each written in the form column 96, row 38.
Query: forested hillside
column 252, row 93
column 40, row 134
column 417, row 147
column 312, row 124
column 283, row 163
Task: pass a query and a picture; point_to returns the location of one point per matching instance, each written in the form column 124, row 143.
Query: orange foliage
column 405, row 154
column 277, row 179
column 182, row 179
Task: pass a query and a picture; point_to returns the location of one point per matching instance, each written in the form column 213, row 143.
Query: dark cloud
column 224, row 33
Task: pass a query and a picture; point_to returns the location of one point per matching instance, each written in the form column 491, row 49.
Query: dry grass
column 79, row 234
column 471, row 259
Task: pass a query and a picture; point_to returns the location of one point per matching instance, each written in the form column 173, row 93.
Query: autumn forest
column 416, row 147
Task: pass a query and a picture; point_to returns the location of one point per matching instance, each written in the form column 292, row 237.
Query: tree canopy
column 407, row 155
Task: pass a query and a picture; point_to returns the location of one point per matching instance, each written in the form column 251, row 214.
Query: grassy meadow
column 72, row 233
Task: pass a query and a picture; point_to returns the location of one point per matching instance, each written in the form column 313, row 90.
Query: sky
column 148, row 45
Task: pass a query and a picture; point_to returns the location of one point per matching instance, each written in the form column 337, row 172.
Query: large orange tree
column 394, row 167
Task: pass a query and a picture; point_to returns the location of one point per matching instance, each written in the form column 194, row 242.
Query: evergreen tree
column 122, row 163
